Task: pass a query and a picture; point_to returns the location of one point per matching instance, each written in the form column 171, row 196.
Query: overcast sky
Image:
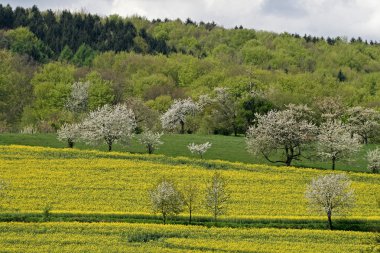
column 351, row 18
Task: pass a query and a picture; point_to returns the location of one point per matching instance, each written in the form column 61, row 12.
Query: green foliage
column 100, row 91
column 23, row 41
column 51, row 87
column 66, row 54
column 83, row 56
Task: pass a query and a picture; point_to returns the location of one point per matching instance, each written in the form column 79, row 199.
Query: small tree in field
column 166, row 199
column 199, row 149
column 150, row 140
column 217, row 196
column 69, row 133
column 373, row 157
column 190, row 196
column 109, row 124
column 286, row 131
column 178, row 113
column 334, row 142
column 330, row 193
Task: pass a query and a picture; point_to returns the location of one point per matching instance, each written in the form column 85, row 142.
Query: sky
column 349, row 18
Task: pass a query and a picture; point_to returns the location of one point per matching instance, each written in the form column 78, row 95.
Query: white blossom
column 78, row 99
column 373, row 157
column 109, row 124
column 69, row 133
column 330, row 193
column 199, row 149
column 150, row 140
column 334, row 141
column 166, row 199
column 364, row 122
column 177, row 114
column 286, row 131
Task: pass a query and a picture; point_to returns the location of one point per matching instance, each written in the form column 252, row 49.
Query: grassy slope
column 227, row 148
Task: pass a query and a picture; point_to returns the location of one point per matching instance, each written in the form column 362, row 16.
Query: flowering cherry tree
column 364, row 122
column 286, row 131
column 150, row 140
column 199, row 149
column 69, row 133
column 109, row 124
column 373, row 157
column 177, row 114
column 330, row 193
column 334, row 141
column 78, row 99
column 166, row 199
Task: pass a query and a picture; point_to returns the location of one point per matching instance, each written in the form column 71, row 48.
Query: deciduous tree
column 330, row 193
column 69, row 133
column 109, row 124
column 217, row 195
column 199, row 149
column 150, row 140
column 166, row 199
column 334, row 141
column 287, row 131
column 177, row 114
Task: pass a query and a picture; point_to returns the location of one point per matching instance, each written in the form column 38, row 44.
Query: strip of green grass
column 339, row 223
column 227, row 148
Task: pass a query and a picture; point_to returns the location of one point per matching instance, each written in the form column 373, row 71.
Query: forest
column 148, row 64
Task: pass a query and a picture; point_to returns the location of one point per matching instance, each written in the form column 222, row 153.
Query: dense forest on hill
column 150, row 63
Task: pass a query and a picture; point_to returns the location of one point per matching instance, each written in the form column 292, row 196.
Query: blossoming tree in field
column 166, row 199
column 330, row 193
column 364, row 122
column 109, row 124
column 69, row 133
column 177, row 114
column 286, row 131
column 199, row 149
column 373, row 157
column 334, row 141
column 217, row 195
column 150, row 140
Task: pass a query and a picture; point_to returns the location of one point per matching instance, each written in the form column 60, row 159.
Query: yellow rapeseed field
column 123, row 237
column 85, row 181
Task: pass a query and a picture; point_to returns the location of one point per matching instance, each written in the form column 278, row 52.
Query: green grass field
column 227, row 148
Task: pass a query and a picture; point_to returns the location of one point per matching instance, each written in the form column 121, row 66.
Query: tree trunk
column 150, row 149
column 70, row 143
column 190, row 211
column 329, row 219
column 164, row 217
column 109, row 146
column 333, row 163
column 182, row 127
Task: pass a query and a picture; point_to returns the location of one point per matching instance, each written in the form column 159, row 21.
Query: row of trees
column 168, row 200
column 287, row 133
column 330, row 194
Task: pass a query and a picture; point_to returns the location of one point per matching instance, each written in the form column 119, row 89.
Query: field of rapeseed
column 122, row 237
column 84, row 181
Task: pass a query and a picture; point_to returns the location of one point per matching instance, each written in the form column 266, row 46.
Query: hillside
column 161, row 60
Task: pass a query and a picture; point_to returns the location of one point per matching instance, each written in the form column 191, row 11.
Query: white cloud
column 317, row 17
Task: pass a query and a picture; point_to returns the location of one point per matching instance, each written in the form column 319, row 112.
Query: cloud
column 350, row 18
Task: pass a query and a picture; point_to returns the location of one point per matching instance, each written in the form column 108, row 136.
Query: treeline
column 65, row 29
